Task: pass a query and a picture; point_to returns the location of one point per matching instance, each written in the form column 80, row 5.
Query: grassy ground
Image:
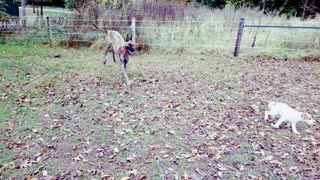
column 187, row 115
column 47, row 11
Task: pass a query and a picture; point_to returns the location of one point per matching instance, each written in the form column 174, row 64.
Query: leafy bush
column 3, row 15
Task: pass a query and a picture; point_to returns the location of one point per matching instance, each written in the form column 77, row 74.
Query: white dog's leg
column 273, row 113
column 281, row 120
column 266, row 115
column 294, row 128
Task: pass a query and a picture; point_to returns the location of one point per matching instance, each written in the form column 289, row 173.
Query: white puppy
column 286, row 113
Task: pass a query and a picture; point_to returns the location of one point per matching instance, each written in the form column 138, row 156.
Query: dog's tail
column 99, row 28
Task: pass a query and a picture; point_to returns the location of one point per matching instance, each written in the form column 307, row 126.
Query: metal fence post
column 133, row 30
column 49, row 31
column 239, row 36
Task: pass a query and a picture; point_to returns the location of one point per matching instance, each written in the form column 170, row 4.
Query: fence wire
column 186, row 34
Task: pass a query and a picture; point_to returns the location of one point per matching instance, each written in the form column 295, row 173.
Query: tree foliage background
column 305, row 8
column 288, row 7
column 3, row 14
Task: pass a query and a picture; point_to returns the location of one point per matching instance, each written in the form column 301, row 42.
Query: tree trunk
column 41, row 8
column 23, row 5
column 260, row 19
column 33, row 7
column 304, row 9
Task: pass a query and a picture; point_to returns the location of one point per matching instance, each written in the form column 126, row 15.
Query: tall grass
column 218, row 29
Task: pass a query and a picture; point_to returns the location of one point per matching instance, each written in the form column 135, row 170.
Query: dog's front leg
column 125, row 67
column 125, row 73
column 294, row 128
column 280, row 121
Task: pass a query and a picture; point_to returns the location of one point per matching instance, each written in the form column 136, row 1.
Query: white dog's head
column 307, row 118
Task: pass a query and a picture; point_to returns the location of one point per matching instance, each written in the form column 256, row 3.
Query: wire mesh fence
column 220, row 35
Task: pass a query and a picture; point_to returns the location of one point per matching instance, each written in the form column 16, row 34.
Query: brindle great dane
column 121, row 48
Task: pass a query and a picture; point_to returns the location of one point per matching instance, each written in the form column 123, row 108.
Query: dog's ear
column 304, row 116
column 129, row 37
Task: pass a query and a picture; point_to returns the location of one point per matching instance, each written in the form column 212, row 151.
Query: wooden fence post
column 133, row 30
column 49, row 31
column 23, row 7
column 239, row 36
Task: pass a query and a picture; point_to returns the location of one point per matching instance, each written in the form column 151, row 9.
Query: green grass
column 4, row 65
column 6, row 156
column 237, row 158
column 218, row 30
column 49, row 11
column 178, row 105
column 4, row 110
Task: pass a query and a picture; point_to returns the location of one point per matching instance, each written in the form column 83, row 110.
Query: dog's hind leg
column 114, row 58
column 294, row 128
column 105, row 54
column 280, row 121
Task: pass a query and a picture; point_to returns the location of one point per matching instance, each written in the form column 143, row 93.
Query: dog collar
column 124, row 51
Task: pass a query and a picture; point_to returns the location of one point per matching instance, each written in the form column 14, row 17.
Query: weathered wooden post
column 24, row 18
column 49, row 31
column 133, row 30
column 239, row 36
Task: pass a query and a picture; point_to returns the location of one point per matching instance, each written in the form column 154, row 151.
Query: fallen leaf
column 220, row 174
column 107, row 177
column 125, row 178
column 44, row 173
column 276, row 162
column 131, row 158
column 268, row 158
column 262, row 134
column 133, row 172
column 232, row 168
column 184, row 155
column 253, row 176
column 186, row 176
column 294, row 168
column 88, row 151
